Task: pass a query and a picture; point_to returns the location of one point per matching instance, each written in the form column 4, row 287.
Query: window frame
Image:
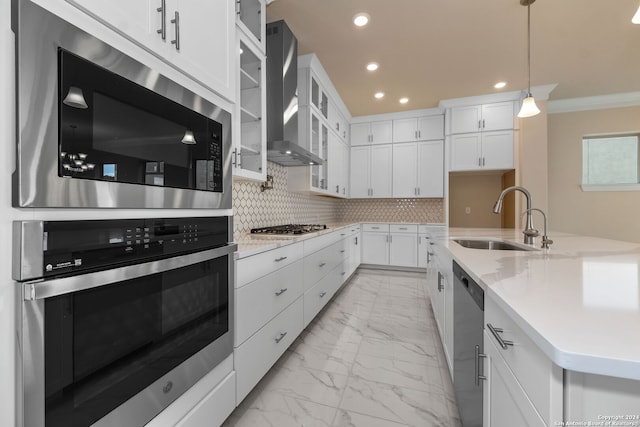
column 611, row 187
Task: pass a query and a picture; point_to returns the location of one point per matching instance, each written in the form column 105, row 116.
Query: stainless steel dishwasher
column 468, row 321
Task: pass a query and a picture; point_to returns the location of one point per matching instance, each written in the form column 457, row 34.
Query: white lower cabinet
column 256, row 355
column 390, row 244
column 278, row 292
column 505, row 402
column 519, row 370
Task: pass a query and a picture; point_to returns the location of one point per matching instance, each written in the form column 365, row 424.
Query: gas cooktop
column 289, row 229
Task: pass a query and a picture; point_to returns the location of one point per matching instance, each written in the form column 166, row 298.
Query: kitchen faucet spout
column 529, row 232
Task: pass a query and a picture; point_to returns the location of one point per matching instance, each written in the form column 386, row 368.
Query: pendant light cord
column 529, row 45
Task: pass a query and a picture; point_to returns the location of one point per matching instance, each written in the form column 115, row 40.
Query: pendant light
column 636, row 17
column 529, row 107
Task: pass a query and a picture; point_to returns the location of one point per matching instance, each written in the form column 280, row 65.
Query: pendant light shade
column 188, row 138
column 529, row 107
column 75, row 98
column 636, row 17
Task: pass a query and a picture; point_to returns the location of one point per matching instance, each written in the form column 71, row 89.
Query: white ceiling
column 431, row 50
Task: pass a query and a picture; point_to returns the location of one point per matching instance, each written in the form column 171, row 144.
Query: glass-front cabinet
column 251, row 20
column 249, row 155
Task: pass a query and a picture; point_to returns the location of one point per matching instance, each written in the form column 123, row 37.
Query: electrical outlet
column 467, row 210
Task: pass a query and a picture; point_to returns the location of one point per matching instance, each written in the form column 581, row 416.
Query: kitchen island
column 578, row 303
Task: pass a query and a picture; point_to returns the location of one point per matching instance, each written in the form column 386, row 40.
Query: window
column 610, row 163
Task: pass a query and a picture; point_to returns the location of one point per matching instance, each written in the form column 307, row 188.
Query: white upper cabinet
column 249, row 150
column 482, row 151
column 380, row 132
column 370, row 172
column 418, row 169
column 482, row 118
column 198, row 40
column 418, row 129
column 251, row 20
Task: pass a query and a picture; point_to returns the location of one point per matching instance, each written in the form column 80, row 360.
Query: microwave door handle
column 37, row 290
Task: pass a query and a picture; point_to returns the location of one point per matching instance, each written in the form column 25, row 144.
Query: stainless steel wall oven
column 97, row 128
column 120, row 317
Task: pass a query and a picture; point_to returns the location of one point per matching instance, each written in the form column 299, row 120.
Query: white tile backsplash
column 253, row 208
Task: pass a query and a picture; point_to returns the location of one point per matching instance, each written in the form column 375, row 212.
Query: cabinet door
column 382, row 132
column 423, row 247
column 466, row 119
column 344, row 171
column 335, row 165
column 405, row 170
column 360, row 172
column 403, row 249
column 360, row 134
column 381, row 167
column 206, row 35
column 138, row 21
column 375, row 248
column 430, row 169
column 465, row 152
column 250, row 15
column 505, row 404
column 430, row 127
column 497, row 150
column 405, row 130
column 497, row 116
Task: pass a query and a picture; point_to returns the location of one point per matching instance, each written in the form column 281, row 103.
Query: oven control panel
column 74, row 246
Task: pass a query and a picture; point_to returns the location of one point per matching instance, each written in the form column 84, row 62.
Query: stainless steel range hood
column 282, row 99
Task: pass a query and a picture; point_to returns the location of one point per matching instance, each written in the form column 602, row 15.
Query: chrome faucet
column 529, row 232
column 546, row 241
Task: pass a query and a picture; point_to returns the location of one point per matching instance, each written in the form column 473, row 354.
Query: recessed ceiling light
column 404, row 100
column 361, row 19
column 500, row 85
column 379, row 95
column 372, row 66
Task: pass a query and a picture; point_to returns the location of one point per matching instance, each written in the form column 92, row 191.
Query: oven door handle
column 54, row 287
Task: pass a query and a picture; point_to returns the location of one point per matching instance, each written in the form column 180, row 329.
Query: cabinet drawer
column 376, row 227
column 316, row 243
column 263, row 299
column 403, row 228
column 319, row 294
column 540, row 378
column 253, row 267
column 256, row 355
column 319, row 264
column 215, row 407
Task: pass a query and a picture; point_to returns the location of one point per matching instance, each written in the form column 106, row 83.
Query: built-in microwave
column 98, row 129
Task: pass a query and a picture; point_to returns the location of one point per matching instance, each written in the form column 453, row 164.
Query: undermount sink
column 492, row 245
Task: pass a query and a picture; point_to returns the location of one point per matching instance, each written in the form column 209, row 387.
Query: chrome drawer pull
column 322, row 294
column 282, row 335
column 281, row 291
column 477, row 373
column 342, row 251
column 280, row 259
column 322, row 264
column 496, row 331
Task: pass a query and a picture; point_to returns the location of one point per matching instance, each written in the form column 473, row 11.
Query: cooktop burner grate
column 289, row 229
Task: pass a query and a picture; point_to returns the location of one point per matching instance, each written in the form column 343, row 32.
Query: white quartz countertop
column 578, row 301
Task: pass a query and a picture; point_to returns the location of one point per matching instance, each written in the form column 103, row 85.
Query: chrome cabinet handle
column 403, row 228
column 343, row 273
column 479, row 161
column 238, row 7
column 418, row 191
column 282, row 335
column 281, row 291
column 342, row 234
column 440, row 285
column 234, row 162
column 496, row 333
column 282, row 258
column 483, row 126
column 477, row 372
column 342, row 251
column 483, row 161
column 163, row 16
column 338, row 189
column 322, row 294
column 322, row 264
column 419, row 134
column 479, row 124
column 176, row 21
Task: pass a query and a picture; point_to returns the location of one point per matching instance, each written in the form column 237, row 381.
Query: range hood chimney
column 282, row 99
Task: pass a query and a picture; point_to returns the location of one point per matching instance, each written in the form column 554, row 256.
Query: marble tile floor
column 371, row 358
